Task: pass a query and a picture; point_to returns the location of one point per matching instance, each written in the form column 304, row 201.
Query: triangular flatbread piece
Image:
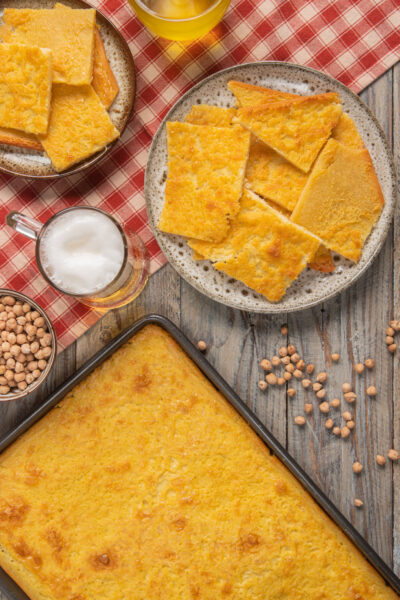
column 342, row 199
column 263, row 249
column 251, row 95
column 295, row 129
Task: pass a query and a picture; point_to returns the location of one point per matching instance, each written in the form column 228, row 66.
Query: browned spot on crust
column 187, row 404
column 227, row 588
column 55, row 540
column 250, row 542
column 13, row 513
column 281, row 487
column 195, row 591
column 179, row 524
column 142, row 380
column 143, row 515
column 105, row 560
column 24, row 551
column 275, row 248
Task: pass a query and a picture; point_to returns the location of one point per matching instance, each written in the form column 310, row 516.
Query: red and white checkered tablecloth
column 352, row 40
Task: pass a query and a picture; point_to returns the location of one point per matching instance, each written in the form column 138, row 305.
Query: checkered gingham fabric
column 352, row 40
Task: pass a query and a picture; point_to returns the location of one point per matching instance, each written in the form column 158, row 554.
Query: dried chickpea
column 35, row 347
column 19, row 377
column 393, row 454
column 266, row 364
column 329, row 424
column 322, row 377
column 336, row 430
column 291, row 392
column 21, row 339
column 21, row 320
column 347, row 416
column 381, row 460
column 357, row 467
column 21, row 357
column 8, row 300
column 25, row 348
column 5, row 346
column 345, row 432
column 271, row 378
column 46, row 351
column 335, row 402
column 40, row 332
column 19, row 367
column 3, row 380
column 324, row 407
column 392, row 348
column 10, row 363
column 11, row 324
column 395, row 325
column 308, row 408
column 26, row 308
column 32, row 365
column 299, row 420
column 29, row 378
column 12, row 338
column 22, row 386
column 34, row 315
column 290, row 368
column 359, row 503
column 283, row 351
column 261, row 384
column 297, row 373
column 18, row 310
column 295, row 358
column 306, row 383
column 29, row 357
column 346, row 387
column 9, row 375
column 2, row 369
column 390, row 331
column 287, row 376
column 36, row 373
column 335, row 357
column 284, row 329
column 310, row 368
column 371, row 390
column 281, row 381
column 359, row 368
column 350, row 397
column 30, row 330
column 39, row 322
column 301, row 365
column 201, row 345
column 2, row 325
column 42, row 364
column 291, row 349
column 369, row 363
column 285, row 360
column 320, row 394
column 389, row 340
column 15, row 350
column 4, row 389
column 316, row 387
column 350, row 424
column 276, row 361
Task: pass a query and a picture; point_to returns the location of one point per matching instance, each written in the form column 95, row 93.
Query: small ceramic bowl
column 17, row 394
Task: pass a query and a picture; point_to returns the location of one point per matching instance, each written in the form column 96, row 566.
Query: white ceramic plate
column 311, row 287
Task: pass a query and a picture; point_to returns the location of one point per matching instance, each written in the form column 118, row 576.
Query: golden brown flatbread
column 346, row 133
column 204, row 114
column 296, row 129
column 206, row 167
column 263, row 248
column 342, row 199
column 251, row 95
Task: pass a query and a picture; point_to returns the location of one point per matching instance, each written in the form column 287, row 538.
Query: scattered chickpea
column 345, row 432
column 19, row 377
column 276, row 361
column 393, row 454
column 285, row 360
column 322, row 377
column 46, row 352
column 287, row 376
column 357, row 467
column 347, row 416
column 308, row 408
column 395, row 325
column 371, row 391
column 261, row 384
column 283, row 351
column 295, row 358
column 36, row 373
column 29, row 378
column 4, row 389
column 350, row 397
column 8, row 300
column 390, row 331
column 284, row 329
column 201, row 345
column 290, row 368
column 298, row 374
column 392, row 348
column 350, row 424
column 381, row 460
column 42, row 364
column 39, row 322
column 22, row 386
column 291, row 392
column 359, row 503
column 281, row 381
column 324, row 407
column 335, row 357
column 346, row 387
column 306, row 383
column 25, row 348
column 316, row 387
column 321, row 394
column 389, row 340
column 336, row 430
column 335, row 402
column 32, row 365
column 369, row 363
column 35, row 347
column 266, row 364
column 359, row 368
column 271, row 378
column 291, row 349
column 299, row 420
column 310, row 369
column 329, row 424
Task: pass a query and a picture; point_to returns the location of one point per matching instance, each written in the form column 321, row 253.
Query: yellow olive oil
column 180, row 19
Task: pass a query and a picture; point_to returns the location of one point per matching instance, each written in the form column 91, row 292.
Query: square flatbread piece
column 70, row 39
column 296, row 129
column 206, row 167
column 342, row 199
column 263, row 249
column 79, row 126
column 25, row 87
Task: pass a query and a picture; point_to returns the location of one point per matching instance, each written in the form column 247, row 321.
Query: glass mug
column 84, row 252
column 180, row 19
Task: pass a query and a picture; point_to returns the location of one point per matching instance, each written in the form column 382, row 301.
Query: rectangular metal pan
column 13, row 592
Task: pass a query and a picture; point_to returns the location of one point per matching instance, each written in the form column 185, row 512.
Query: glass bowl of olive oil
column 180, row 19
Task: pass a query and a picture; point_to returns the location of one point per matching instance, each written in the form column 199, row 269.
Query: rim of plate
column 279, row 307
column 129, row 75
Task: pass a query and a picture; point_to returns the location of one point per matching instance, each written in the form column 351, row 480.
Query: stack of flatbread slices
column 269, row 187
column 56, row 84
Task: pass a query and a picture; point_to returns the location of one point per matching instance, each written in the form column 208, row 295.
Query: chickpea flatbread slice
column 206, row 167
column 205, row 114
column 342, row 199
column 251, row 95
column 296, row 129
column 347, row 134
column 263, row 249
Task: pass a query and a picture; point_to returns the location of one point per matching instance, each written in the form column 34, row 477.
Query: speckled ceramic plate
column 36, row 165
column 311, row 287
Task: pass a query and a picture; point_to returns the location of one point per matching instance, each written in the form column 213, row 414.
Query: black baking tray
column 13, row 592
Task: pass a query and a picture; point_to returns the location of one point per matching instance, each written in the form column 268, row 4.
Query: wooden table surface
column 351, row 324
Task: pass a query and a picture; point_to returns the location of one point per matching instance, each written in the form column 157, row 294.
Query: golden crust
column 71, row 40
column 296, row 129
column 79, row 126
column 206, row 168
column 137, row 486
column 342, row 199
column 25, row 87
column 104, row 83
column 346, row 133
column 262, row 249
column 13, row 137
column 216, row 116
column 251, row 95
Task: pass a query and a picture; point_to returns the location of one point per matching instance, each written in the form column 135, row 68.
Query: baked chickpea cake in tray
column 145, row 483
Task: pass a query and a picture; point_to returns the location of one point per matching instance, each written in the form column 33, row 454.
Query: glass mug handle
column 23, row 224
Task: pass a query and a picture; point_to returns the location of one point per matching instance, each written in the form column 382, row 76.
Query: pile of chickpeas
column 25, row 345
